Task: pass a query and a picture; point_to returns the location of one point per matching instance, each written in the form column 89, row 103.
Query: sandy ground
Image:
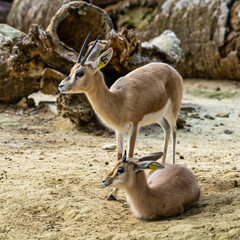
column 51, row 173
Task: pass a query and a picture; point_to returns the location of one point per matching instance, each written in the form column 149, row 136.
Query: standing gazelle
column 149, row 94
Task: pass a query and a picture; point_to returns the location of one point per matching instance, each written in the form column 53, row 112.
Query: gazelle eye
column 120, row 170
column 80, row 73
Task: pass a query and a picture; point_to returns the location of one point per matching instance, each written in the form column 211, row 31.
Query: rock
column 129, row 53
column 223, row 115
column 181, row 122
column 188, row 108
column 194, row 115
column 109, row 147
column 30, row 102
column 23, row 58
column 50, row 81
column 170, row 44
column 227, row 131
column 75, row 107
column 9, row 31
column 209, row 117
column 22, row 103
column 26, row 103
column 236, row 184
column 18, row 77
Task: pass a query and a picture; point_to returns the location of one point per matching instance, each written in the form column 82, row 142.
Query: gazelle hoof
column 111, row 198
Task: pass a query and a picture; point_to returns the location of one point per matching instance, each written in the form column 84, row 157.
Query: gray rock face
column 209, row 31
column 18, row 78
column 26, row 12
column 205, row 29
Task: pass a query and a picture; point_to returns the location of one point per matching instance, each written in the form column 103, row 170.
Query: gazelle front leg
column 120, row 138
column 132, row 135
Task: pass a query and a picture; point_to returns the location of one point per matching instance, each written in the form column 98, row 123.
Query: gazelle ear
column 103, row 59
column 152, row 165
column 152, row 156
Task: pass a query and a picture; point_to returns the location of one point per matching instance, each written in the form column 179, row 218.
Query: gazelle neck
column 104, row 102
column 139, row 193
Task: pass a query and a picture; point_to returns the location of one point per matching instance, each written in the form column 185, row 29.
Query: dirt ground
column 51, row 174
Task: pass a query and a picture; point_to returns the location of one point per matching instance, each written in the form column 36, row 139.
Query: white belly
column 154, row 117
column 147, row 120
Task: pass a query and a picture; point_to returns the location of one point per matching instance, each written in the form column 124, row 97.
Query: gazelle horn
column 124, row 158
column 83, row 47
column 89, row 51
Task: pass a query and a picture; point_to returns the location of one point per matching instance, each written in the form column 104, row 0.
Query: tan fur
column 164, row 193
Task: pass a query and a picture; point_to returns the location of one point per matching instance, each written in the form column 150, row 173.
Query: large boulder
column 19, row 76
column 25, row 56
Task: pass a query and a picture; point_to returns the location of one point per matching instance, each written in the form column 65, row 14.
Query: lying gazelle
column 149, row 94
column 164, row 193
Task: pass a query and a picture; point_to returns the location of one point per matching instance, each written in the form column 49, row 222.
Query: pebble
column 227, row 131
column 188, row 109
column 209, row 117
column 194, row 115
column 226, row 162
column 181, row 122
column 223, row 115
column 235, row 184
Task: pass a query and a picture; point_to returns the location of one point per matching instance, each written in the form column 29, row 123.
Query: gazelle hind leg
column 166, row 128
column 172, row 119
column 120, row 138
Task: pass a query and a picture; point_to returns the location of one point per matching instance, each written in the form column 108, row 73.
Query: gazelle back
column 164, row 193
